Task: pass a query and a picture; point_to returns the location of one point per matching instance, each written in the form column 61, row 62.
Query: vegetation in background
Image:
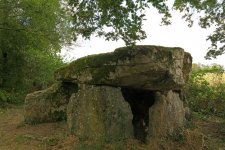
column 206, row 90
column 206, row 98
column 32, row 33
column 4, row 98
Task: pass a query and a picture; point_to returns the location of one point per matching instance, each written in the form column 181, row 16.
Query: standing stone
column 48, row 105
column 99, row 113
column 166, row 115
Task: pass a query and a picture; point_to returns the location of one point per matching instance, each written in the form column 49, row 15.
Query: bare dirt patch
column 213, row 129
column 15, row 135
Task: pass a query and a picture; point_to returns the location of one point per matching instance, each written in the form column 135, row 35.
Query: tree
column 32, row 32
column 115, row 19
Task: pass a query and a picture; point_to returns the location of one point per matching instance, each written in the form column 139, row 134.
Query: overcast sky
column 192, row 40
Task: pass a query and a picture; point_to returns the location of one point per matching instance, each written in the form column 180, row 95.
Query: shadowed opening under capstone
column 140, row 101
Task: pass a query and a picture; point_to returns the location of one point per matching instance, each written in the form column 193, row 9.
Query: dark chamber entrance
column 140, row 101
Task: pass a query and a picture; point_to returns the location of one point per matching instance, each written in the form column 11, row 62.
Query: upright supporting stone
column 155, row 114
column 166, row 115
column 99, row 114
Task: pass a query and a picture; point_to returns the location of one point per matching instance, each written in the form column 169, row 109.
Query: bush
column 28, row 73
column 206, row 90
column 8, row 98
column 3, row 98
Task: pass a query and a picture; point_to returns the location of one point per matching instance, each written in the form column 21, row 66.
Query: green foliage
column 32, row 33
column 39, row 68
column 203, row 96
column 35, row 74
column 123, row 19
column 3, row 98
column 7, row 98
column 210, row 12
column 38, row 24
column 113, row 19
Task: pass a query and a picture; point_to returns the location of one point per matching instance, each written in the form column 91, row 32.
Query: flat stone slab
column 143, row 67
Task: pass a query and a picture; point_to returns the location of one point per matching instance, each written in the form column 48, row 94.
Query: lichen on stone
column 151, row 66
column 48, row 105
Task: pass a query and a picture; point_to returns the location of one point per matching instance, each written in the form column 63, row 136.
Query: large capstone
column 99, row 114
column 48, row 105
column 143, row 67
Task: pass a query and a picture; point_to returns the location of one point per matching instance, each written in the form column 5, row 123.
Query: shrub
column 3, row 98
column 206, row 90
column 33, row 72
column 7, row 98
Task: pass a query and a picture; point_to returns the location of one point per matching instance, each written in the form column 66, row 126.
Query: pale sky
column 192, row 40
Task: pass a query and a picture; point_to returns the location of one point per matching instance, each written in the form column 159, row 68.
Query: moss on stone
column 49, row 105
column 99, row 113
column 110, row 60
column 100, row 75
column 187, row 65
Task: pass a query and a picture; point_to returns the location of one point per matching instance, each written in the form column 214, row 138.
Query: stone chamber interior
column 140, row 101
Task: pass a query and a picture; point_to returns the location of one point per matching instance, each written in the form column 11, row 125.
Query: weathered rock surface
column 132, row 91
column 155, row 113
column 166, row 115
column 144, row 67
column 48, row 105
column 99, row 114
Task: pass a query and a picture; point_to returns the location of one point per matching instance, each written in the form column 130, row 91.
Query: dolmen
column 133, row 92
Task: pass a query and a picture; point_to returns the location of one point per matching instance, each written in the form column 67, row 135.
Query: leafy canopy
column 39, row 24
column 32, row 32
column 123, row 19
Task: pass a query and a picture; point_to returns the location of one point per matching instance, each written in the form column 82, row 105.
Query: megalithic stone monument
column 131, row 92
